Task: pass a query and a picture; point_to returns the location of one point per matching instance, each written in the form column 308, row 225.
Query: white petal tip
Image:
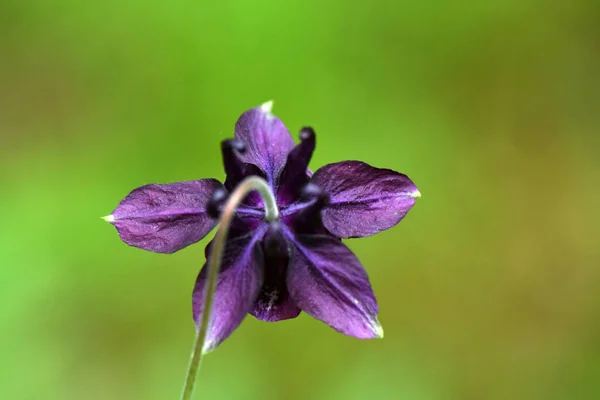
column 378, row 331
column 109, row 218
column 266, row 107
column 207, row 348
column 416, row 194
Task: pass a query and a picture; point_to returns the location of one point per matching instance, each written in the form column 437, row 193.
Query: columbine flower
column 275, row 269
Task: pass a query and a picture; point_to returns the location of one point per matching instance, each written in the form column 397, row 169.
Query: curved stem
column 214, row 263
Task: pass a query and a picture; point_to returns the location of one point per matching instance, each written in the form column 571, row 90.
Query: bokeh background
column 489, row 289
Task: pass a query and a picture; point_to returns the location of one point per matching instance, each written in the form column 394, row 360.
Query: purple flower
column 273, row 270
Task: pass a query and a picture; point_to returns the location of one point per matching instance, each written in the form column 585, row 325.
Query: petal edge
column 364, row 200
column 164, row 218
column 326, row 280
column 238, row 284
column 266, row 138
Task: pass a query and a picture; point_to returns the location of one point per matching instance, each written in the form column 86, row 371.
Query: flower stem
column 214, row 263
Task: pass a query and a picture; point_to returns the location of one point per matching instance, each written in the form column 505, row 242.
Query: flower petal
column 239, row 282
column 364, row 200
column 274, row 302
column 267, row 140
column 165, row 218
column 328, row 282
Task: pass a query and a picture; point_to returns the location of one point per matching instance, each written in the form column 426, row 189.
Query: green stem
column 214, row 263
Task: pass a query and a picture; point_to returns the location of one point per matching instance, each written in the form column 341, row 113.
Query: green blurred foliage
column 488, row 289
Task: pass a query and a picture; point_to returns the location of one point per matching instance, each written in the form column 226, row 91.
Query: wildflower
column 275, row 269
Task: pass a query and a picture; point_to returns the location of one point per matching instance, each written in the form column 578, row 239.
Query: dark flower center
column 300, row 203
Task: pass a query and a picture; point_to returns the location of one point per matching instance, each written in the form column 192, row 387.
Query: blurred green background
column 489, row 289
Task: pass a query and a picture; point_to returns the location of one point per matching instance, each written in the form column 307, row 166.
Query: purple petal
column 327, row 281
column 267, row 140
column 295, row 173
column 239, row 282
column 274, row 302
column 167, row 217
column 364, row 200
